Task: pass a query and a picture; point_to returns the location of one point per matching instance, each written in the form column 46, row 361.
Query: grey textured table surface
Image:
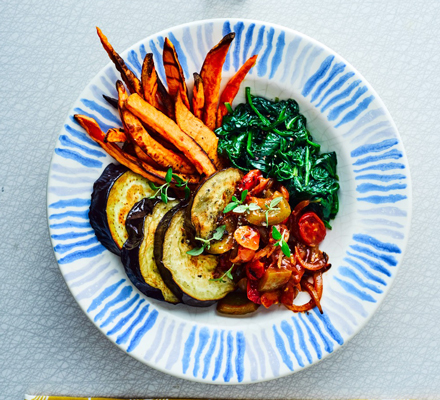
column 49, row 52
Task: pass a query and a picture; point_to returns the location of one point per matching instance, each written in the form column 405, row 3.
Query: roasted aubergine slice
column 210, row 199
column 114, row 194
column 137, row 253
column 187, row 276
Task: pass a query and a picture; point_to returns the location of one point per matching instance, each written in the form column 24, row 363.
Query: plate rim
column 409, row 193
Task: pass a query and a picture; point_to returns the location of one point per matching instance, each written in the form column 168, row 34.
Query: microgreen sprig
column 181, row 183
column 237, row 205
column 162, row 191
column 280, row 241
column 228, row 274
column 206, row 243
column 272, row 207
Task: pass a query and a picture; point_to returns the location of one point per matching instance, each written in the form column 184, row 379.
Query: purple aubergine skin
column 164, row 272
column 98, row 205
column 130, row 251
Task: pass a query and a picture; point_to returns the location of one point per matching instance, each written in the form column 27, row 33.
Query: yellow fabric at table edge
column 34, row 397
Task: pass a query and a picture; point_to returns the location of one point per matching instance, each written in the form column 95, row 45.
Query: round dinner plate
column 365, row 246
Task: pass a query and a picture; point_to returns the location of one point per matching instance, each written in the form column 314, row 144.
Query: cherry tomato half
column 247, row 237
column 311, row 229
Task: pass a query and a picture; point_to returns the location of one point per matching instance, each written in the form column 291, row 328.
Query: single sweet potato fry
column 137, row 166
column 110, row 100
column 149, row 81
column 195, row 128
column 164, row 142
column 164, row 157
column 128, row 148
column 114, row 135
column 174, row 73
column 198, row 100
column 170, row 131
column 127, row 75
column 94, row 131
column 91, row 127
column 122, row 96
column 232, row 88
column 165, row 99
column 139, row 153
column 211, row 74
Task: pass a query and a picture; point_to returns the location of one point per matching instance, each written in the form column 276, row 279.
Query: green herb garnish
column 280, row 241
column 237, row 205
column 272, row 207
column 206, row 243
column 162, row 191
column 181, row 183
column 228, row 274
column 246, row 207
column 273, row 137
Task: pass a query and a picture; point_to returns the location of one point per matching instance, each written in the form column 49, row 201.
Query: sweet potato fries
column 163, row 128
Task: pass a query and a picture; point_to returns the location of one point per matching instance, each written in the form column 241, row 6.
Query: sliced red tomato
column 255, row 270
column 311, row 229
column 252, row 292
column 250, row 180
column 270, row 298
column 247, row 237
column 262, row 183
column 285, row 193
column 244, row 255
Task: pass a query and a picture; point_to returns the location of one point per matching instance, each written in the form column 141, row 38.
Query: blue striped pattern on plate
column 365, row 246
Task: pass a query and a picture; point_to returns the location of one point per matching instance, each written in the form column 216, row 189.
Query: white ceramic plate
column 365, row 246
